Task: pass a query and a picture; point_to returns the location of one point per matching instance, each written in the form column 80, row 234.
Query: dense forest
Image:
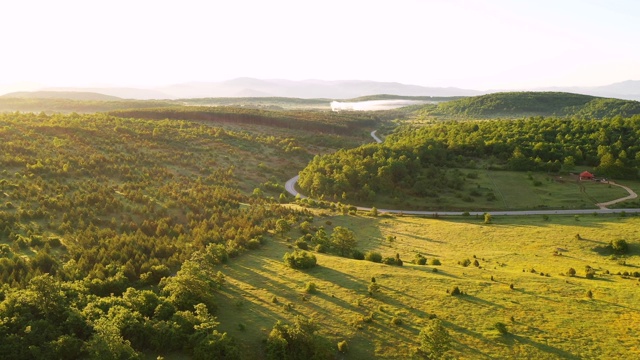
column 422, row 161
column 524, row 104
column 319, row 121
column 111, row 230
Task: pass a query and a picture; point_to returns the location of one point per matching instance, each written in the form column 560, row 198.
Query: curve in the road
column 290, row 186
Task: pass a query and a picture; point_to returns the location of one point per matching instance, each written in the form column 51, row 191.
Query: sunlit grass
column 546, row 316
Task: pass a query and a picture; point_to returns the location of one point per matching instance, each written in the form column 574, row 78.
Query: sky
column 471, row 44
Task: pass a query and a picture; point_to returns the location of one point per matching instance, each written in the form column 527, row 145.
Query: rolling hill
column 70, row 95
column 519, row 104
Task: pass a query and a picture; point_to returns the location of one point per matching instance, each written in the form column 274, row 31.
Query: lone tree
column 282, row 226
column 434, row 341
column 343, row 240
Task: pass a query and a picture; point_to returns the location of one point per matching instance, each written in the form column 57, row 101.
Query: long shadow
column 462, row 330
column 478, row 301
column 552, row 350
column 337, row 277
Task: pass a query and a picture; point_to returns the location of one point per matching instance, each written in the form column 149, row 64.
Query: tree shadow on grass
column 478, row 301
column 459, row 329
column 551, row 350
column 337, row 277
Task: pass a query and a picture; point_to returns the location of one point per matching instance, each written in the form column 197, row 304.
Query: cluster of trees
column 418, row 160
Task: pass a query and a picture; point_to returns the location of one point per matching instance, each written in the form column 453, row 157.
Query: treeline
column 57, row 105
column 319, row 121
column 419, row 161
column 111, row 230
column 519, row 104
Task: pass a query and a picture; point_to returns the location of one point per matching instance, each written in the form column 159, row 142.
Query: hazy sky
column 477, row 44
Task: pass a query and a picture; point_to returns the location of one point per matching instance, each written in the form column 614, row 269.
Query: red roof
column 586, row 174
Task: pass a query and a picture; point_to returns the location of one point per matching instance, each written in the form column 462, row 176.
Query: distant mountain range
column 310, row 89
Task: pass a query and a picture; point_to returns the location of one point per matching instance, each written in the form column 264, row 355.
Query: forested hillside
column 319, row 121
column 111, row 230
column 421, row 161
column 525, row 104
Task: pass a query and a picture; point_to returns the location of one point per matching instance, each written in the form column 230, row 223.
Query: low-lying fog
column 374, row 104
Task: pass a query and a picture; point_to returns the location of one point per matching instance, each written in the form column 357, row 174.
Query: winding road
column 290, row 186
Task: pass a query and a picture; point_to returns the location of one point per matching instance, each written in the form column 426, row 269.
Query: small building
column 585, row 175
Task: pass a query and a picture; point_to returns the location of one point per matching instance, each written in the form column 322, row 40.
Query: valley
column 174, row 229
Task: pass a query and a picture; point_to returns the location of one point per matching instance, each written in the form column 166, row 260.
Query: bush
column 455, row 291
column 357, row 254
column 396, row 321
column 389, row 260
column 321, row 248
column 591, row 273
column 589, row 294
column 343, row 347
column 571, row 272
column 434, row 262
column 300, row 260
column 311, row 288
column 420, row 260
column 373, row 256
column 373, row 288
column 619, row 246
column 301, row 244
column 465, row 262
column 253, row 244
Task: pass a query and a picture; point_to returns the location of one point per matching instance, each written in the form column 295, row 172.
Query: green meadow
column 513, row 190
column 521, row 280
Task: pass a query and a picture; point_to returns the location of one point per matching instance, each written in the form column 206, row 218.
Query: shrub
column 311, row 288
column 389, row 260
column 420, row 260
column 396, row 321
column 591, row 273
column 321, row 248
column 434, row 262
column 589, row 294
column 373, row 288
column 300, row 260
column 476, row 263
column 571, row 272
column 357, row 254
column 455, row 291
column 619, row 246
column 465, row 262
column 487, row 218
column 373, row 256
column 253, row 244
column 301, row 244
column 343, row 347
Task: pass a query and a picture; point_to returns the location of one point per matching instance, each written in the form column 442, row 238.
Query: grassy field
column 547, row 316
column 512, row 190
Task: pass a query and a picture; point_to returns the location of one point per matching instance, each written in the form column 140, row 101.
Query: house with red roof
column 585, row 175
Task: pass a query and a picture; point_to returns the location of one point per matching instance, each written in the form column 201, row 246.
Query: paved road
column 376, row 138
column 290, row 186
